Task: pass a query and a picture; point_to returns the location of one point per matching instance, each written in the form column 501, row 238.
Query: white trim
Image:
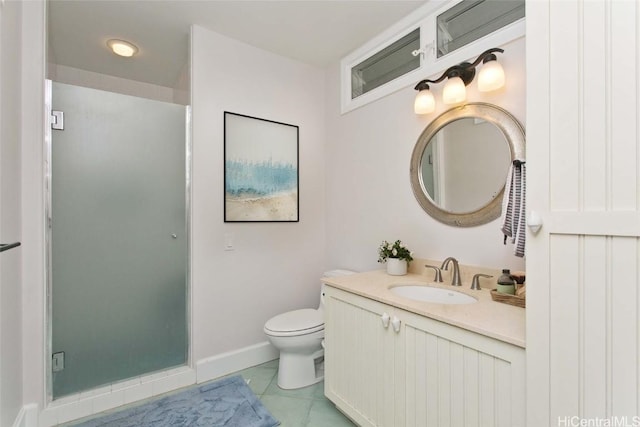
column 430, row 66
column 604, row 223
column 92, row 402
column 234, row 361
column 46, row 238
column 27, row 417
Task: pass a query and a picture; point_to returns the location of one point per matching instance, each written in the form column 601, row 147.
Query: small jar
column 506, row 284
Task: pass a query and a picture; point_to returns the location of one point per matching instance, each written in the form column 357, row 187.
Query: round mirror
column 460, row 163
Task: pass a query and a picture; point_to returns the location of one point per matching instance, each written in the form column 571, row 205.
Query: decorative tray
column 517, row 300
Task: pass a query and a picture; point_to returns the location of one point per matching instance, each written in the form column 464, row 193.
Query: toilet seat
column 293, row 323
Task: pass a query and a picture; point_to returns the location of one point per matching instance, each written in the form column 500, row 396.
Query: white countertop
column 497, row 320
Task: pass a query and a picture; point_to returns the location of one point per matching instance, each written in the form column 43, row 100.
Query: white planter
column 396, row 267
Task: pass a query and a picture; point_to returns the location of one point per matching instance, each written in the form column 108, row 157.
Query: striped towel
column 514, row 207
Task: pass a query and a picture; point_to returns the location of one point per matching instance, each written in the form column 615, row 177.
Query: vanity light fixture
column 491, row 77
column 425, row 102
column 454, row 90
column 122, row 47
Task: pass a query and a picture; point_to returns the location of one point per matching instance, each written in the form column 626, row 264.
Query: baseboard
column 27, row 417
column 233, row 361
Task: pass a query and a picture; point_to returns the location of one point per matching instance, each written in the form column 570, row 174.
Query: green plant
column 395, row 250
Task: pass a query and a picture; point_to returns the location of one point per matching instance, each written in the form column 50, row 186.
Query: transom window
column 425, row 43
column 470, row 20
column 388, row 64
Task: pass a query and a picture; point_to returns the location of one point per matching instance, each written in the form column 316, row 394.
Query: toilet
column 298, row 335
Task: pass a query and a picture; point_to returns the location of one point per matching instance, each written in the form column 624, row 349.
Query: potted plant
column 396, row 256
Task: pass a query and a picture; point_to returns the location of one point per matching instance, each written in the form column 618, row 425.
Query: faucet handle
column 438, row 277
column 475, row 282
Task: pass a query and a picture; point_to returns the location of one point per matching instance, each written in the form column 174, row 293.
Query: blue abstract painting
column 260, row 170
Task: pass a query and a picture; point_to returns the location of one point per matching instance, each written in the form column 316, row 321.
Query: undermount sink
column 432, row 294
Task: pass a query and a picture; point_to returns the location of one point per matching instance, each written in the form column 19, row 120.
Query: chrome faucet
column 455, row 277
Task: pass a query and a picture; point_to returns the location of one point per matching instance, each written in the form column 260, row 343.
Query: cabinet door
column 359, row 358
column 458, row 378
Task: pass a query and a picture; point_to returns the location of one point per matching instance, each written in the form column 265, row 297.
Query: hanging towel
column 514, row 207
column 521, row 233
column 506, row 220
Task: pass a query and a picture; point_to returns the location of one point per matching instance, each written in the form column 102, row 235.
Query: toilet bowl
column 298, row 336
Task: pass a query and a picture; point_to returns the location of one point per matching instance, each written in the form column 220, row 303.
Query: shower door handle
column 7, row 246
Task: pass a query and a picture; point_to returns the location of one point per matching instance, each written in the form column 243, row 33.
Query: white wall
column 275, row 266
column 369, row 197
column 10, row 261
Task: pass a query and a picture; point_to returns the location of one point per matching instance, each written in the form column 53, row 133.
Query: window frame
column 360, row 55
column 424, row 18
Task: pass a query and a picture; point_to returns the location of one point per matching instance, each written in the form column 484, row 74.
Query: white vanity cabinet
column 416, row 371
column 360, row 358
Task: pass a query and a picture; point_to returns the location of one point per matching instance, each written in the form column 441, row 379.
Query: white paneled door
column 583, row 267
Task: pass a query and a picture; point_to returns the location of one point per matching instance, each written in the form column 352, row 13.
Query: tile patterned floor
column 305, row 407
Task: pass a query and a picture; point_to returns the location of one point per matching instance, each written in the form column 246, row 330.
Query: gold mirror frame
column 515, row 137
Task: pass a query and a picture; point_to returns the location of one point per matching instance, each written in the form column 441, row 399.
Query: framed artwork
column 260, row 170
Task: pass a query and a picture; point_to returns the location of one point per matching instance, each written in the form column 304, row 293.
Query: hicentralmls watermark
column 576, row 421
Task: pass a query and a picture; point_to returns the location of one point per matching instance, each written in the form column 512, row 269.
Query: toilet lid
column 305, row 321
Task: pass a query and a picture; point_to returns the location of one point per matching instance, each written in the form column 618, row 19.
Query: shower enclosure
column 117, row 238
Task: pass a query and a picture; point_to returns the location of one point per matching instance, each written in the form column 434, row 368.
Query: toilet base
column 299, row 370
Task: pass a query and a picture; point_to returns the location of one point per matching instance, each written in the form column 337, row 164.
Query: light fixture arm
column 485, row 55
column 465, row 70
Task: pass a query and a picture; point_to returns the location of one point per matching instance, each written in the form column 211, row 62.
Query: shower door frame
column 48, row 139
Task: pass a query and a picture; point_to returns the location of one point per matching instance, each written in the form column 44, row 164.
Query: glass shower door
column 118, row 238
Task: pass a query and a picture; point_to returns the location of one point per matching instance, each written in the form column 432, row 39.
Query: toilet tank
column 337, row 273
column 332, row 273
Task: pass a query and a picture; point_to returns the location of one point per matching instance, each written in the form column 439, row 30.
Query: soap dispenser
column 506, row 284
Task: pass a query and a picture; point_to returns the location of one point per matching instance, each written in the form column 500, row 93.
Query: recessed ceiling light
column 122, row 48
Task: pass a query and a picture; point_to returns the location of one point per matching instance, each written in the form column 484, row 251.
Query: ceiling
column 315, row 32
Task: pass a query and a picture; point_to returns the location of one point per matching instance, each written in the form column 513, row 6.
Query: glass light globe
column 454, row 91
column 491, row 77
column 425, row 103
